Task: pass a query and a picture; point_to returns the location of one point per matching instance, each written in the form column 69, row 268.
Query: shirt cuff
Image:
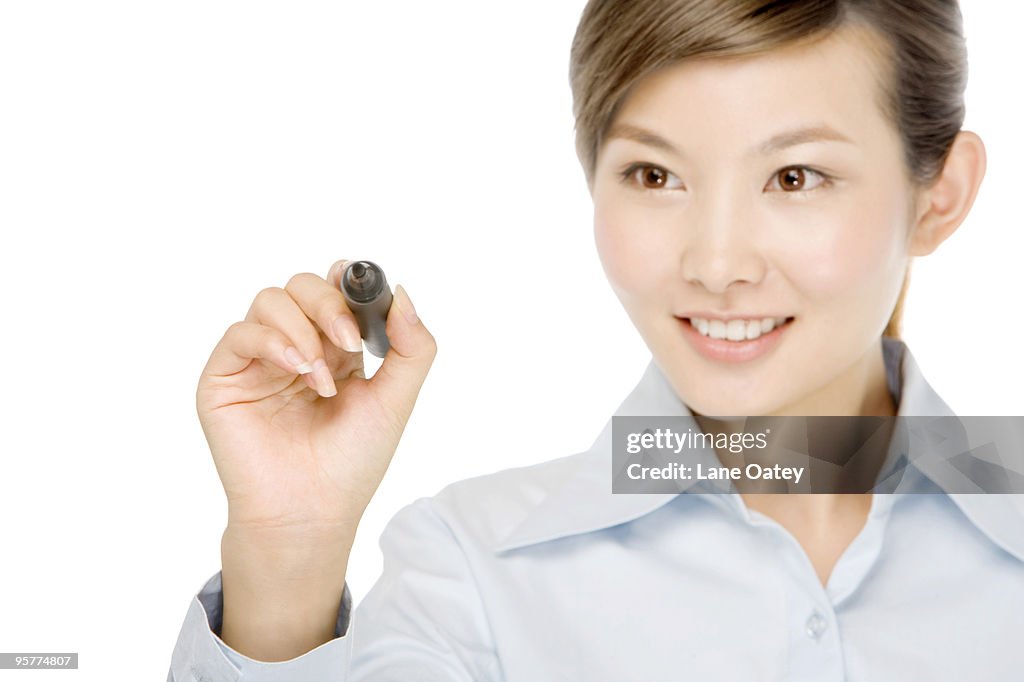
column 202, row 654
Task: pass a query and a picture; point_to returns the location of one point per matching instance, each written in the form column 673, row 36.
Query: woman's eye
column 796, row 179
column 791, row 179
column 649, row 177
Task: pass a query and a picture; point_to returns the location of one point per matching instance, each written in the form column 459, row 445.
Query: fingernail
column 293, row 356
column 324, row 380
column 308, row 378
column 405, row 304
column 346, row 331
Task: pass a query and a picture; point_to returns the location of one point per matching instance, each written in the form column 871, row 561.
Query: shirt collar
column 583, row 501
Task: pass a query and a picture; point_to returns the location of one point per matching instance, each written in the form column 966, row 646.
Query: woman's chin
column 707, row 394
column 722, row 400
column 734, row 408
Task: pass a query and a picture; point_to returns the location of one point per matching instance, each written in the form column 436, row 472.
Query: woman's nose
column 719, row 244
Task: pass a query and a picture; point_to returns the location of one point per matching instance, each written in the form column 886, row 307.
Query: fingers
column 283, row 327
column 410, row 357
column 245, row 341
column 274, row 307
column 325, row 305
column 412, row 350
column 334, row 274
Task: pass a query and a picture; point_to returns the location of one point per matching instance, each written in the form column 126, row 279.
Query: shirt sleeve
column 423, row 619
column 200, row 655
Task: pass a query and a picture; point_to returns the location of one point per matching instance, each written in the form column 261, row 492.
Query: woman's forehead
column 832, row 86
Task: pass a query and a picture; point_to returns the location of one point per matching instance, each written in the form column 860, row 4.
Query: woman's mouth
column 737, row 340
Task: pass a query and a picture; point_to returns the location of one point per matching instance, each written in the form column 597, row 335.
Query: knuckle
column 431, row 346
column 236, row 328
column 267, row 294
column 298, row 279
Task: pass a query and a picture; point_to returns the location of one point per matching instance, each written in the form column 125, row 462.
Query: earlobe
column 947, row 202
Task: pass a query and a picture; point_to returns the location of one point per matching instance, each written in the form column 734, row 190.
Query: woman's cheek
column 842, row 254
column 633, row 257
column 868, row 257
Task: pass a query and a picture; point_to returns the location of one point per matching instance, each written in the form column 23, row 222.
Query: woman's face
column 753, row 207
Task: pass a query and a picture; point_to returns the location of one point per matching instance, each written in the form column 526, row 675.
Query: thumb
column 409, row 358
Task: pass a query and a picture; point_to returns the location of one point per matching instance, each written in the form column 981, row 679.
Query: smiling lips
column 734, row 340
column 737, row 329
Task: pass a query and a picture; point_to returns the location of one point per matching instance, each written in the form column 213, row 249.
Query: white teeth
column 736, row 330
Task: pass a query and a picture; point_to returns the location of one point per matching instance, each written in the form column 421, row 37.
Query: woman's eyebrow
column 788, row 138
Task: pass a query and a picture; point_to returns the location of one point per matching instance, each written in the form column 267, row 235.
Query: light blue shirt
column 540, row 573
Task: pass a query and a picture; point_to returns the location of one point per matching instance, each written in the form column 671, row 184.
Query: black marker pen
column 369, row 298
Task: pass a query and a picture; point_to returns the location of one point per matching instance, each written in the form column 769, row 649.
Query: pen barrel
column 369, row 297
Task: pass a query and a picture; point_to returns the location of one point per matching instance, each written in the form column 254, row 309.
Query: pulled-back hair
column 922, row 49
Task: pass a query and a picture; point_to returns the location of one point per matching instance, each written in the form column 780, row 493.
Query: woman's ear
column 945, row 204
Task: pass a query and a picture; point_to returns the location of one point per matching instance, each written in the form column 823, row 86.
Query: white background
column 160, row 163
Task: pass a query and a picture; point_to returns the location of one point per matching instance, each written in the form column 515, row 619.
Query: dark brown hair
column 922, row 50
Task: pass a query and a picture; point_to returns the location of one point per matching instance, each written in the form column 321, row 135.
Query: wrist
column 286, row 553
column 281, row 592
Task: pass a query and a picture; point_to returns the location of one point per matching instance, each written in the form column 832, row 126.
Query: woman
column 762, row 175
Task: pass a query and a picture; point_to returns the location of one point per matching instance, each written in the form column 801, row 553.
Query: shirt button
column 815, row 625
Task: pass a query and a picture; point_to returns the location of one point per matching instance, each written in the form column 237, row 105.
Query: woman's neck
column 825, row 524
